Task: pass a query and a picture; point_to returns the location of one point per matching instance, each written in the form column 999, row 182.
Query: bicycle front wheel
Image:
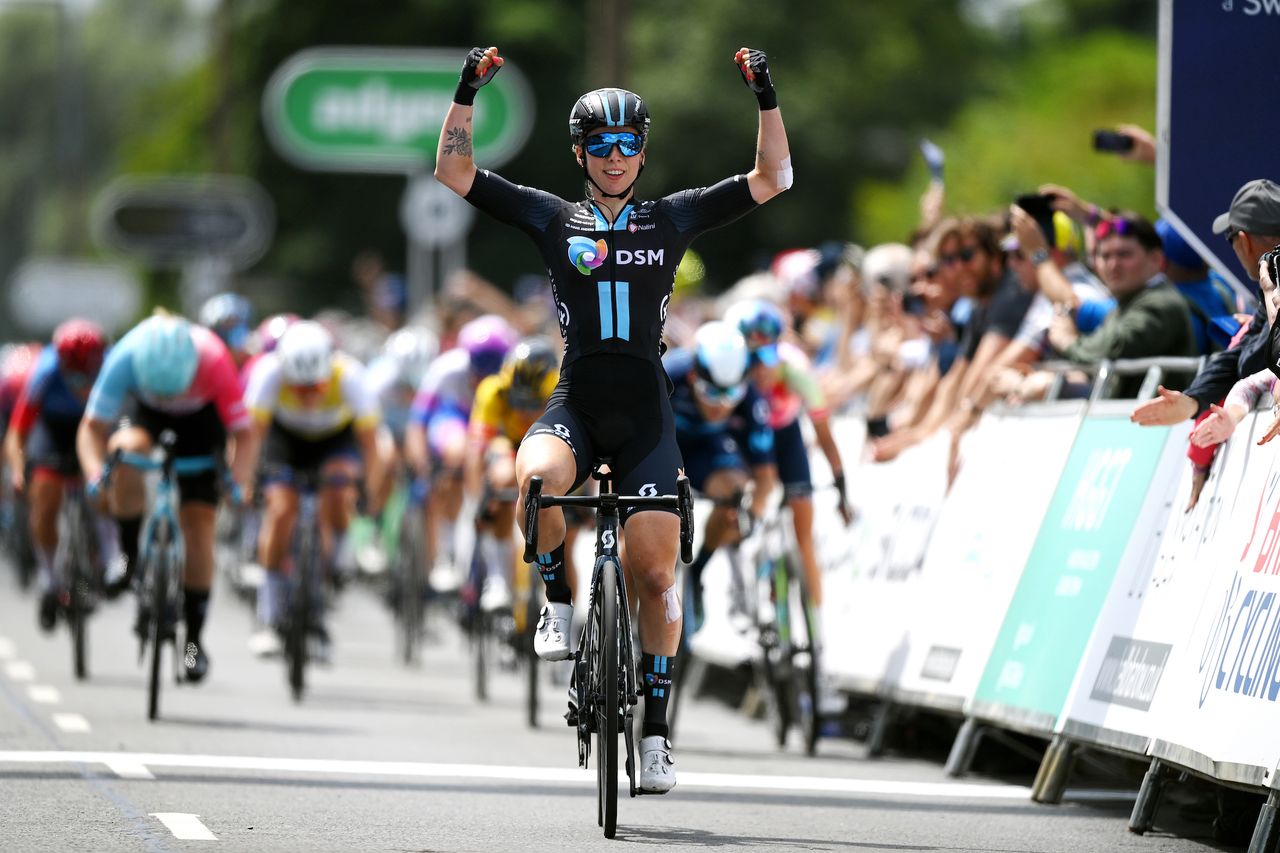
column 609, row 701
column 300, row 617
column 412, row 611
column 159, row 574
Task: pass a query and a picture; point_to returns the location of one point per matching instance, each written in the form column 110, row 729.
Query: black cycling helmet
column 532, row 369
column 608, row 108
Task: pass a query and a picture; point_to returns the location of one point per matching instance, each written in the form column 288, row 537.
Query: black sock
column 195, row 605
column 695, row 577
column 878, row 427
column 657, row 672
column 551, row 567
column 129, row 529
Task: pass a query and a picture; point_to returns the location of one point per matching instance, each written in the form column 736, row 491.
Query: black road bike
column 604, row 687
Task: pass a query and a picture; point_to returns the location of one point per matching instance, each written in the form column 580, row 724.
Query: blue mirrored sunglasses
column 601, row 145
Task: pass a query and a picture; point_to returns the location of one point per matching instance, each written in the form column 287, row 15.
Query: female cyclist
column 612, row 261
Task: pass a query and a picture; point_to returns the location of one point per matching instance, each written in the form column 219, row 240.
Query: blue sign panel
column 1219, row 121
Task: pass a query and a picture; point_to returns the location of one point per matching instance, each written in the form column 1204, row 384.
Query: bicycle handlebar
column 682, row 502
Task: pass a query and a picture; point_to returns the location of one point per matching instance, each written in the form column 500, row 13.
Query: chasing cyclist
column 612, row 260
column 311, row 410
column 784, row 376
column 507, row 404
column 167, row 374
column 436, row 435
column 722, row 426
column 42, row 439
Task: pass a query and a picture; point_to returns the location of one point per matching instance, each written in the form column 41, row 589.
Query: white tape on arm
column 784, row 174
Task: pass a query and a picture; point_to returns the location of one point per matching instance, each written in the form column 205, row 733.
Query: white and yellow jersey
column 346, row 399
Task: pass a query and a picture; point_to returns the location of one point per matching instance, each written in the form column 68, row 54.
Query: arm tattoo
column 760, row 161
column 458, row 142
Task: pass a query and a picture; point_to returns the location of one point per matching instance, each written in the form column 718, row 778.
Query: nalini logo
column 587, row 254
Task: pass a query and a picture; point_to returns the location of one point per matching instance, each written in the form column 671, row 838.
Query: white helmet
column 411, row 350
column 720, row 355
column 306, row 353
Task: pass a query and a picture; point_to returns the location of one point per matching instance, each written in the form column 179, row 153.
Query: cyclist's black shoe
column 48, row 610
column 196, row 663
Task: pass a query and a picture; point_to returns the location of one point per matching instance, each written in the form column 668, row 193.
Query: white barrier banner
column 1155, row 594
column 873, row 567
column 1216, row 709
column 1010, row 466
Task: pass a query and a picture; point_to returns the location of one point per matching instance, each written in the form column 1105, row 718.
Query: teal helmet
column 165, row 357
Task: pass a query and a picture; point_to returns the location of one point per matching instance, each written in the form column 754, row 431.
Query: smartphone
column 933, row 158
column 1112, row 140
column 1041, row 209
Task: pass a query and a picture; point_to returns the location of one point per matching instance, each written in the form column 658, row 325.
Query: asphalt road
column 382, row 757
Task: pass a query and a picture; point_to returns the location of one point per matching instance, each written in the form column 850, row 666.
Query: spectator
column 1252, row 226
column 1151, row 318
column 1211, row 302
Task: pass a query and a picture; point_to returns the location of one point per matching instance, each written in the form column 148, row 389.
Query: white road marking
column 7, row 648
column 72, row 723
column 115, row 760
column 185, row 827
column 127, row 769
column 45, row 694
column 20, row 670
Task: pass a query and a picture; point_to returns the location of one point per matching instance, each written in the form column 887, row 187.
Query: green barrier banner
column 1070, row 570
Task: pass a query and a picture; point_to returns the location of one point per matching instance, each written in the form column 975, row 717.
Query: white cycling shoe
column 657, row 770
column 551, row 642
column 495, row 595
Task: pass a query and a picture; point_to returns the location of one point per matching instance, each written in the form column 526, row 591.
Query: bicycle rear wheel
column 609, row 701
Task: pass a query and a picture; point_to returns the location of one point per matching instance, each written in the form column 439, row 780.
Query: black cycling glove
column 470, row 82
column 760, row 81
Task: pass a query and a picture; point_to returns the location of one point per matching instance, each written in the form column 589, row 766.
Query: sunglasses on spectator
column 309, row 388
column 601, row 145
column 926, row 274
column 966, row 254
column 1119, row 227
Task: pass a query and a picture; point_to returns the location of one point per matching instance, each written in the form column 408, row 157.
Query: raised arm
column 772, row 172
column 454, row 166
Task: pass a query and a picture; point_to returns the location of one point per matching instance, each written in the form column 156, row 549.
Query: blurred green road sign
column 377, row 110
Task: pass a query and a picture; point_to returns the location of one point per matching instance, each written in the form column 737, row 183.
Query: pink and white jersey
column 795, row 390
column 216, row 381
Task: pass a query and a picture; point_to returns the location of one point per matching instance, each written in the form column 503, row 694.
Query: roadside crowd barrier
column 1061, row 588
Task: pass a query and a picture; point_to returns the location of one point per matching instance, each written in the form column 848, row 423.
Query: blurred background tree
column 1010, row 88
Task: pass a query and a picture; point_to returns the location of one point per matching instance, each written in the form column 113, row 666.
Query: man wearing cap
column 1251, row 226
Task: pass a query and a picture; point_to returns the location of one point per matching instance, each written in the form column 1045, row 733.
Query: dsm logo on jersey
column 639, row 257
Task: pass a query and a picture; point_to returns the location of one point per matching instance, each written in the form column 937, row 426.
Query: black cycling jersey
column 611, row 281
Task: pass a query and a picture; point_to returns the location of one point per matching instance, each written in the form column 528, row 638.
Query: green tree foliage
column 859, row 83
column 1035, row 128
column 856, row 83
